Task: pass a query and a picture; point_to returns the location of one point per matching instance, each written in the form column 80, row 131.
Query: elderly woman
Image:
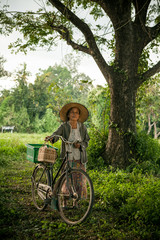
column 73, row 115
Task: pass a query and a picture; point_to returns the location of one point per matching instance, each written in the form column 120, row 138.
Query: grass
column 21, row 220
column 126, row 207
column 23, row 137
column 12, row 146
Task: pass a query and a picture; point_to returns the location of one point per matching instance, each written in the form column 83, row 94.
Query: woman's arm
column 86, row 137
column 53, row 138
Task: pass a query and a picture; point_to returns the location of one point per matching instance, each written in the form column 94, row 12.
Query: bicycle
column 62, row 192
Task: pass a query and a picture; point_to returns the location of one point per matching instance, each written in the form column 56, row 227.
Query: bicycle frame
column 59, row 190
column 52, row 180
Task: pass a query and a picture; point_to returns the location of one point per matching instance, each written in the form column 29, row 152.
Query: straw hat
column 83, row 111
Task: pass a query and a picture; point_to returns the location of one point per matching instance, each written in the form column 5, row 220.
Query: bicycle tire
column 40, row 187
column 76, row 208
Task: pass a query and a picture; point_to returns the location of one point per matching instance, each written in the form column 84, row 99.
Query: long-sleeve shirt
column 64, row 130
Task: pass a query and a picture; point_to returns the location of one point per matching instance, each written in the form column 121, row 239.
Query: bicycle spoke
column 39, row 187
column 75, row 197
column 41, row 194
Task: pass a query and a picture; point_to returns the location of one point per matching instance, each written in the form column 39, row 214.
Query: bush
column 95, row 149
column 147, row 154
column 131, row 199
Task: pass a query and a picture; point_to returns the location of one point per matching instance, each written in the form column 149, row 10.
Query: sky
column 41, row 58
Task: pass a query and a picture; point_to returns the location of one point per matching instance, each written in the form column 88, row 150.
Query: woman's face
column 73, row 114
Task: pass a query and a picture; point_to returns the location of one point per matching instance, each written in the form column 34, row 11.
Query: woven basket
column 46, row 154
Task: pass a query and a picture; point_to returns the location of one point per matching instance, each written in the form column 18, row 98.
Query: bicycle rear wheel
column 75, row 196
column 40, row 188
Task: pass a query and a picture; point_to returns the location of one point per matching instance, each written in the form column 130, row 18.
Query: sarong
column 78, row 179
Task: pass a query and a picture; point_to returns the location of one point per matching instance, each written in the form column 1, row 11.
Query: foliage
column 6, row 111
column 46, row 26
column 66, row 85
column 3, row 72
column 129, row 197
column 96, row 148
column 99, row 106
column 148, row 106
column 126, row 203
column 49, row 122
column 11, row 150
column 136, row 31
column 12, row 146
column 28, row 107
column 147, row 154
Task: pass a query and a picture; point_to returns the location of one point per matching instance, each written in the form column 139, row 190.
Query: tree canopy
column 84, row 25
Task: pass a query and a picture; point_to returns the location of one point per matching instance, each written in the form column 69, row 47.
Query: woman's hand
column 48, row 138
column 77, row 145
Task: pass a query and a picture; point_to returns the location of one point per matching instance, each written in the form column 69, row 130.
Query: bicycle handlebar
column 63, row 139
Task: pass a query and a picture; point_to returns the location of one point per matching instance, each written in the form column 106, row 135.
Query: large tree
column 133, row 32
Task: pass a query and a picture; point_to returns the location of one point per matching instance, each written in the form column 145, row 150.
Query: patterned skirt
column 78, row 179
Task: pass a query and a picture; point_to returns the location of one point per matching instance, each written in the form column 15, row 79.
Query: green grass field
column 126, row 204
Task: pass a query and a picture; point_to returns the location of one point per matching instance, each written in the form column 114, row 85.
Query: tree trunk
column 155, row 130
column 149, row 124
column 156, row 134
column 122, row 122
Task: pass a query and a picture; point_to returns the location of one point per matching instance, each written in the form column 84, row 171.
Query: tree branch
column 84, row 28
column 64, row 32
column 141, row 7
column 153, row 32
column 155, row 69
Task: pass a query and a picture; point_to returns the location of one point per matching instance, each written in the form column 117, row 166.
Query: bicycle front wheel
column 40, row 187
column 75, row 196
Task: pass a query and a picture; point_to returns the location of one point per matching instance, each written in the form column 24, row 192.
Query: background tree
column 14, row 103
column 48, row 123
column 6, row 110
column 135, row 24
column 99, row 106
column 34, row 107
column 148, row 106
column 20, row 91
column 65, row 85
column 3, row 72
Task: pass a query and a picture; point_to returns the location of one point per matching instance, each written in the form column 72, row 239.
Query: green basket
column 32, row 151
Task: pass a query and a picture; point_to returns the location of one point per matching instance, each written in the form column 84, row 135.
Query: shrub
column 131, row 199
column 95, row 149
column 147, row 154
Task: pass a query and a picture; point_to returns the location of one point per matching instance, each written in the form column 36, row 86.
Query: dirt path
column 20, row 220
